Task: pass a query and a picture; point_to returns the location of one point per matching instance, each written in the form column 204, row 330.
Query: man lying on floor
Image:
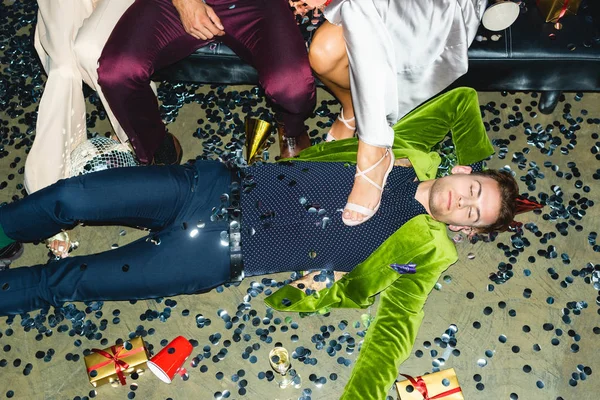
column 210, row 224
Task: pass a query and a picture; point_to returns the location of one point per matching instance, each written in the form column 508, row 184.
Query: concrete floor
column 494, row 348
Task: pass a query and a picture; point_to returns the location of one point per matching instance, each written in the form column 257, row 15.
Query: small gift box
column 553, row 10
column 113, row 363
column 439, row 385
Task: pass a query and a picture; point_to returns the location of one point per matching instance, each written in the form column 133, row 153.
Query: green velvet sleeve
column 357, row 289
column 456, row 111
column 392, row 334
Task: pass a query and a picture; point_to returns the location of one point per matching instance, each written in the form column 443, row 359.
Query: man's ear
column 461, row 228
column 461, row 169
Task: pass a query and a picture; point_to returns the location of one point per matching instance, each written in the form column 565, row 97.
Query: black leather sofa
column 530, row 55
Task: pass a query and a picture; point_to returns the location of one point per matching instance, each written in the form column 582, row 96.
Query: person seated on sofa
column 290, row 220
column 381, row 59
column 71, row 34
column 152, row 34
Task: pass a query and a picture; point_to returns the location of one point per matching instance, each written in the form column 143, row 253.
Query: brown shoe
column 291, row 146
column 169, row 152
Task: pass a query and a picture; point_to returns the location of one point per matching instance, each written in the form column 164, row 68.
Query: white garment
column 69, row 38
column 401, row 53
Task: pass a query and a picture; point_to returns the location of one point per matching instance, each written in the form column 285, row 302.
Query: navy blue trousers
column 176, row 258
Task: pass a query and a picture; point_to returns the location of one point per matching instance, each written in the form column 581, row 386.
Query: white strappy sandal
column 330, row 137
column 63, row 250
column 367, row 212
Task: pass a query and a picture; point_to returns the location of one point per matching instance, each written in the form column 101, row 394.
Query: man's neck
column 423, row 193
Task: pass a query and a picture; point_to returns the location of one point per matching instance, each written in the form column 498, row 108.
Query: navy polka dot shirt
column 292, row 216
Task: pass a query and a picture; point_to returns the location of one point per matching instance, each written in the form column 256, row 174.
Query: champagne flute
column 279, row 358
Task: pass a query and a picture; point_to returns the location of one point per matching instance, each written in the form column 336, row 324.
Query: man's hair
column 509, row 190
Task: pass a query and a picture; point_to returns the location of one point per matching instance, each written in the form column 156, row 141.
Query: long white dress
column 401, row 53
column 69, row 38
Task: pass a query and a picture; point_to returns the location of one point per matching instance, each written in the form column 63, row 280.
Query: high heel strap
column 346, row 121
column 367, row 212
column 363, row 175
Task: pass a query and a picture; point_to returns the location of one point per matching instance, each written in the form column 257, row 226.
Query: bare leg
column 364, row 193
column 329, row 61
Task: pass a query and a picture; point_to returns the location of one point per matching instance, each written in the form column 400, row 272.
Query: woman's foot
column 342, row 128
column 59, row 248
column 373, row 167
column 60, row 244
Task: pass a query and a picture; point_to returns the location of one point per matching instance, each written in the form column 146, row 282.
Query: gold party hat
column 257, row 132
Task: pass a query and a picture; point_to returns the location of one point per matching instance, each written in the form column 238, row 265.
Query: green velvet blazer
column 421, row 240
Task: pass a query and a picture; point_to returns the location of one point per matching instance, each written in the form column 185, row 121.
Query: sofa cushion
column 533, row 55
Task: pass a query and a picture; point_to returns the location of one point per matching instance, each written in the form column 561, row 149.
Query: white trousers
column 69, row 38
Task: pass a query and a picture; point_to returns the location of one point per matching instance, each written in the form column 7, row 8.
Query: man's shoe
column 10, row 253
column 169, row 151
column 291, row 146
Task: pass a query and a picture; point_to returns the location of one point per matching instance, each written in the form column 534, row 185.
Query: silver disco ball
column 100, row 153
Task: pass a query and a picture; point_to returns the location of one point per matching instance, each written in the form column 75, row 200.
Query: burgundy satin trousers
column 150, row 36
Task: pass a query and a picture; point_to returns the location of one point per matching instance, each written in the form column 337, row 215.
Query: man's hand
column 308, row 282
column 198, row 19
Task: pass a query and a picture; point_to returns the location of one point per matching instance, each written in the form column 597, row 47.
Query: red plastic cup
column 169, row 361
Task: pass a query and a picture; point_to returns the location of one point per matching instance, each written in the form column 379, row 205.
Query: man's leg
column 266, row 36
column 148, row 37
column 329, row 60
column 170, row 263
column 148, row 197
